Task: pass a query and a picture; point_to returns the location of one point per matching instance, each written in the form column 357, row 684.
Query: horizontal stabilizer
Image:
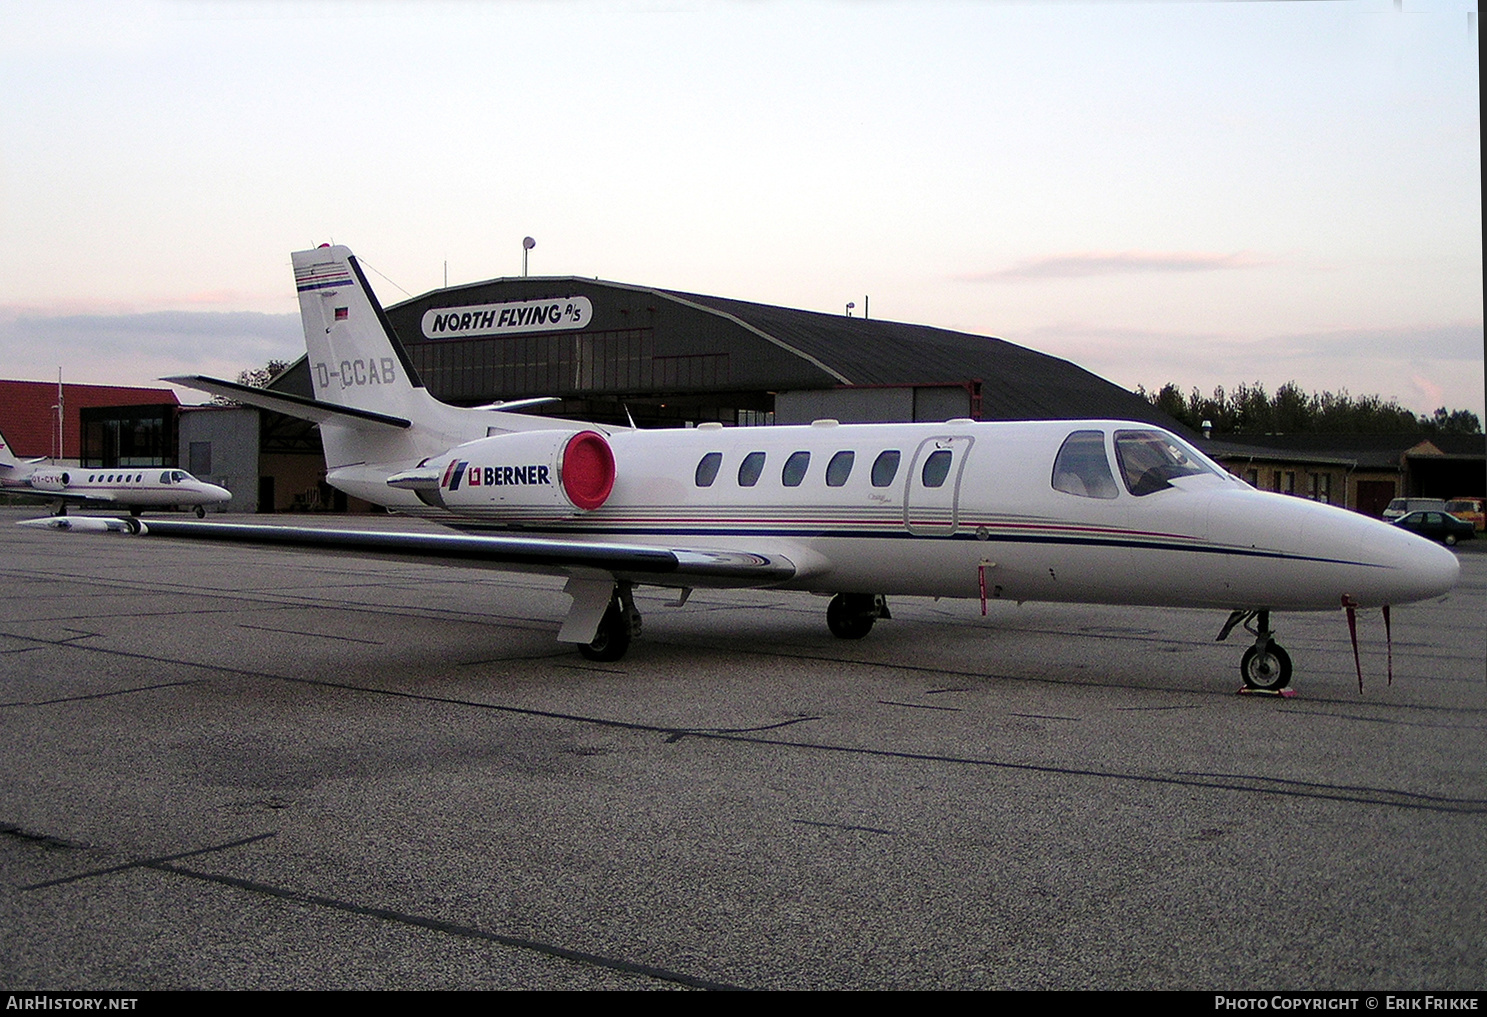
column 316, row 410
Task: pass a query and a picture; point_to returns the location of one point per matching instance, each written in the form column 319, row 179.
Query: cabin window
column 1081, row 467
column 885, row 468
column 750, row 469
column 839, row 469
column 90, row 478
column 1149, row 460
column 795, row 467
column 707, row 470
column 936, row 468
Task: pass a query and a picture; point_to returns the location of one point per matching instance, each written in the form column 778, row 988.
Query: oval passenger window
column 885, row 468
column 750, row 469
column 795, row 467
column 936, row 468
column 839, row 469
column 707, row 470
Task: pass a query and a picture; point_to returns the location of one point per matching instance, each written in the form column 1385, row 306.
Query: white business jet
column 1085, row 511
column 133, row 488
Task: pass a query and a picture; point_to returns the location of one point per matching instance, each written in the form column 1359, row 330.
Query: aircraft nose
column 1419, row 568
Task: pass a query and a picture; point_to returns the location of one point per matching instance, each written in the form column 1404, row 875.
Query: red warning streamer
column 1351, row 606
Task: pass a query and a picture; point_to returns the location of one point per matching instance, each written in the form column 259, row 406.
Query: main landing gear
column 851, row 615
column 620, row 624
column 1265, row 665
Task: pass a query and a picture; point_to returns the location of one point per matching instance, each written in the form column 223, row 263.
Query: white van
column 1404, row 506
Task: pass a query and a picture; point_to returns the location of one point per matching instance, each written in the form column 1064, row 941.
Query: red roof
column 28, row 414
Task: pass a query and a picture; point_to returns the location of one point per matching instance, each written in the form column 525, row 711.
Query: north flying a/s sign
column 552, row 314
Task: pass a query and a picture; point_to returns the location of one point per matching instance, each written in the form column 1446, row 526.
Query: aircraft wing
column 316, row 410
column 90, row 497
column 96, row 498
column 660, row 566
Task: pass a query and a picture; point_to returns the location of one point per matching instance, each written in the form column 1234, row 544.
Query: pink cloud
column 1080, row 264
column 1433, row 393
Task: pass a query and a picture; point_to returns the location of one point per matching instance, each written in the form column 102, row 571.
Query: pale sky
column 1205, row 193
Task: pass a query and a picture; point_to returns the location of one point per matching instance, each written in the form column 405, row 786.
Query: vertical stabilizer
column 354, row 359
column 357, row 362
column 11, row 468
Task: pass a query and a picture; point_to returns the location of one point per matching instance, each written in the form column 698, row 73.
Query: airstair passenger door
column 932, row 492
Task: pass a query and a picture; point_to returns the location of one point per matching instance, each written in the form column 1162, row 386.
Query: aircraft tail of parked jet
column 369, row 401
column 11, row 468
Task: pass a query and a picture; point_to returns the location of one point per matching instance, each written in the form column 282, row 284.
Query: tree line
column 1249, row 409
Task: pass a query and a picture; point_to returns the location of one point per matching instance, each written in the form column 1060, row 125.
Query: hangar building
column 673, row 359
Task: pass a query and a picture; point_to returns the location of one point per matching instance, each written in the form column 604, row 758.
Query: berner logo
column 554, row 314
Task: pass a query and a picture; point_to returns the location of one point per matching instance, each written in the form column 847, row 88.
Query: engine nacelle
column 525, row 475
column 50, row 480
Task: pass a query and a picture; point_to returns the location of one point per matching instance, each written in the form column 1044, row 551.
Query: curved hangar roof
column 566, row 335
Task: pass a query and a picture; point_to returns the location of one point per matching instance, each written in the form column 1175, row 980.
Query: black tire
column 201, row 513
column 134, row 511
column 1450, row 540
column 1269, row 669
column 849, row 616
column 612, row 640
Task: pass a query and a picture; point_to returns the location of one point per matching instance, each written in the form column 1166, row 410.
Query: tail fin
column 357, row 363
column 10, row 467
column 354, row 358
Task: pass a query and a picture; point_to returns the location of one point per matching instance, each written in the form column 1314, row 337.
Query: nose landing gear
column 1264, row 666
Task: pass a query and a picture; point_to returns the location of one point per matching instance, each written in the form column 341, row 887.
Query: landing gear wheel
column 134, row 511
column 850, row 615
column 201, row 513
column 1268, row 669
column 612, row 639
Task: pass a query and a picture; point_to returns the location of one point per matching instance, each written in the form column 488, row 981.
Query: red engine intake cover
column 588, row 470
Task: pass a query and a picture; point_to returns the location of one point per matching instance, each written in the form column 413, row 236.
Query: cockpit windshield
column 1149, row 460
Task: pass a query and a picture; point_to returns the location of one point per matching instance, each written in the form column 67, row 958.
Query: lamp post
column 527, row 244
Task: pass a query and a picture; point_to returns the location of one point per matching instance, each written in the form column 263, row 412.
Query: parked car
column 1470, row 509
column 1437, row 526
column 1402, row 506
